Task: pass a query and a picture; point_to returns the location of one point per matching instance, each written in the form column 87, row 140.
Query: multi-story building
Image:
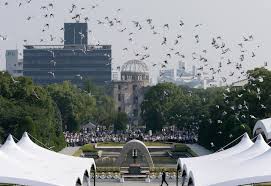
column 240, row 83
column 74, row 61
column 14, row 65
column 192, row 79
column 128, row 92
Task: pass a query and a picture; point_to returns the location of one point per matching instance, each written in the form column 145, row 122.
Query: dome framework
column 135, row 66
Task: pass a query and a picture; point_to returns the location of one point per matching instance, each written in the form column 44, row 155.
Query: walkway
column 131, row 183
column 199, row 150
column 69, row 150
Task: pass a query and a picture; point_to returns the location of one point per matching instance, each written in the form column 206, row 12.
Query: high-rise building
column 188, row 78
column 194, row 70
column 74, row 61
column 182, row 66
column 14, row 65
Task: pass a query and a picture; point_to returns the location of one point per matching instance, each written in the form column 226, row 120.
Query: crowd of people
column 99, row 134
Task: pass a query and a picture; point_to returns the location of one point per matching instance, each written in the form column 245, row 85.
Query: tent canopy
column 263, row 126
column 220, row 169
column 26, row 163
column 244, row 144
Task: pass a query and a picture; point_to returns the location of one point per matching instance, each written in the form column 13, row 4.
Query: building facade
column 191, row 79
column 75, row 61
column 128, row 92
column 14, row 65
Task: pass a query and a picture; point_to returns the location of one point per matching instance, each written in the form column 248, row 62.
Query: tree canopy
column 25, row 106
column 44, row 112
column 161, row 104
column 218, row 114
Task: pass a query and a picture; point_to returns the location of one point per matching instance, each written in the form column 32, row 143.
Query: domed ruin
column 134, row 70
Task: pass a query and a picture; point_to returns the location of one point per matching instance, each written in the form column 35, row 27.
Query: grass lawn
column 164, row 160
column 108, row 144
column 88, row 148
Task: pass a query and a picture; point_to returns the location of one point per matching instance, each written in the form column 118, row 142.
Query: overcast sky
column 230, row 19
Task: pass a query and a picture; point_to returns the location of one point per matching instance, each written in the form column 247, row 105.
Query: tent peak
column 260, row 138
column 25, row 134
column 10, row 138
column 9, row 142
column 245, row 136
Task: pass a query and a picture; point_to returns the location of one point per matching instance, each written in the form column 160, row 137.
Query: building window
column 120, row 97
column 134, row 87
column 135, row 100
column 119, row 87
column 135, row 112
column 119, row 109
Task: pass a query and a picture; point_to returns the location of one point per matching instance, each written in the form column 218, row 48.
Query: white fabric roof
column 218, row 168
column 256, row 170
column 26, row 163
column 265, row 126
column 187, row 163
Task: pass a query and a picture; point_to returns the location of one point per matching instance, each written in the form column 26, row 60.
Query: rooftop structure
column 134, row 70
column 75, row 34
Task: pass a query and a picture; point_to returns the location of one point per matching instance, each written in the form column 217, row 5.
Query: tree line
column 219, row 115
column 46, row 111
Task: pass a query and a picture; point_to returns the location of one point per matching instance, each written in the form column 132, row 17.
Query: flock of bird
column 172, row 47
column 170, row 42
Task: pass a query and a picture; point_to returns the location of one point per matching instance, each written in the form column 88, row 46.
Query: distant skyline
column 231, row 19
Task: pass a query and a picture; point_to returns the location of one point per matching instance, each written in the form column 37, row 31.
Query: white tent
column 184, row 164
column 264, row 127
column 26, row 163
column 245, row 163
column 256, row 170
column 200, row 173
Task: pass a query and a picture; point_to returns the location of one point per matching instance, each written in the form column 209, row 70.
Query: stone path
column 199, row 150
column 69, row 150
column 130, row 183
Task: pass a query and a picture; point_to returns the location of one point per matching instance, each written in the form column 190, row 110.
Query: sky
column 230, row 20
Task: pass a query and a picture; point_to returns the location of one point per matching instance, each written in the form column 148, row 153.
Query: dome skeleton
column 135, row 66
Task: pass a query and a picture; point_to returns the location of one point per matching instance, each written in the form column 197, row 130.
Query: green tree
column 25, row 106
column 120, row 121
column 105, row 110
column 235, row 110
column 1, row 135
column 26, row 125
column 156, row 106
column 76, row 106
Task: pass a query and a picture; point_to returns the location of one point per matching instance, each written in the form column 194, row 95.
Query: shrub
column 88, row 148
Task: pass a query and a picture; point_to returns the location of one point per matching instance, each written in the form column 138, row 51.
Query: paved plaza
column 69, row 150
column 199, row 150
column 133, row 183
